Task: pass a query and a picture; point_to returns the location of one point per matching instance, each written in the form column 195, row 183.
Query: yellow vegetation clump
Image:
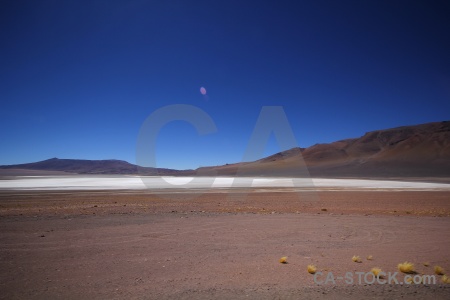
column 283, row 260
column 439, row 270
column 370, row 257
column 356, row 259
column 406, row 267
column 445, row 279
column 376, row 272
column 312, row 269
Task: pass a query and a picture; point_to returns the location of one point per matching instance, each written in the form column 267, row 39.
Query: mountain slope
column 84, row 166
column 421, row 150
column 408, row 151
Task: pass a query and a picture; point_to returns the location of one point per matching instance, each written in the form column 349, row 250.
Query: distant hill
column 84, row 166
column 421, row 150
column 407, row 151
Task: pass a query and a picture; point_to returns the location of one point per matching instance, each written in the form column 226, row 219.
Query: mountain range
column 408, row 151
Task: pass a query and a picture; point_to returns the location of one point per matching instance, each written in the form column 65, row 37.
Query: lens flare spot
column 203, row 91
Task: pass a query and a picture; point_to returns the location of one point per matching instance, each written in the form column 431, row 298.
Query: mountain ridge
column 85, row 166
column 408, row 151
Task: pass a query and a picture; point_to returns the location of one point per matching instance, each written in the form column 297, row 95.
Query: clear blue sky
column 78, row 78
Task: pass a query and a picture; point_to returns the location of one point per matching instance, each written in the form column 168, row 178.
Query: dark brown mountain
column 84, row 166
column 408, row 151
column 421, row 150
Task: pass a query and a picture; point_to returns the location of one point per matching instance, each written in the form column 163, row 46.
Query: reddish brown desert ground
column 220, row 244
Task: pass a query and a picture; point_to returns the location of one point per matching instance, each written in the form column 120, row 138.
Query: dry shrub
column 406, row 267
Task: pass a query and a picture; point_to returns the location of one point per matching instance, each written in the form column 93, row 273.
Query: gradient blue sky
column 78, row 78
